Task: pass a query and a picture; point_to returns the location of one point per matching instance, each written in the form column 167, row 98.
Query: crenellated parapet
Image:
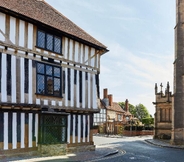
column 163, row 96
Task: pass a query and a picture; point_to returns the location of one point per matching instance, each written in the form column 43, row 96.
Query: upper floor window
column 49, row 41
column 119, row 117
column 100, row 117
column 48, row 79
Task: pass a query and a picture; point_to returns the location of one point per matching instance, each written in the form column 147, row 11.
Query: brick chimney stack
column 105, row 93
column 105, row 97
column 126, row 105
column 110, row 99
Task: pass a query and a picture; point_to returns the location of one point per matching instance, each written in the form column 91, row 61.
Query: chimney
column 126, row 105
column 105, row 93
column 110, row 100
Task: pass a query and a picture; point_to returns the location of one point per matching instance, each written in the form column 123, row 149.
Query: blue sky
column 140, row 37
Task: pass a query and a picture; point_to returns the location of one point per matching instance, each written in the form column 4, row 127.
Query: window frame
column 99, row 118
column 119, row 117
column 44, row 127
column 45, row 76
column 45, row 41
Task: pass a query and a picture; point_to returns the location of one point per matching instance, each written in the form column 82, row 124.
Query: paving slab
column 100, row 152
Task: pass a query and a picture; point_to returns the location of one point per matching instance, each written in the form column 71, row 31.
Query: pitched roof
column 41, row 11
column 115, row 107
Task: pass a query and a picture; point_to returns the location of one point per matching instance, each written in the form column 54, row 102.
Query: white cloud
column 134, row 76
column 140, row 37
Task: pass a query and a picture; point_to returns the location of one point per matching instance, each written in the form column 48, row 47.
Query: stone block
column 52, row 149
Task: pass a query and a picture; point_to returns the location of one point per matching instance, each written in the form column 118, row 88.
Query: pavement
column 163, row 143
column 102, row 151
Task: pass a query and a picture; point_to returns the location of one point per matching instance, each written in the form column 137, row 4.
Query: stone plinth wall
column 137, row 133
column 74, row 149
column 53, row 149
column 160, row 132
column 162, row 128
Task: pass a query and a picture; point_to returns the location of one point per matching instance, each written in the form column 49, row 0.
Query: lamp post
column 108, row 127
column 108, row 118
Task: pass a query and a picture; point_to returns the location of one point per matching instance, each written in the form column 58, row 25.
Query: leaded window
column 53, row 129
column 100, row 118
column 48, row 41
column 48, row 79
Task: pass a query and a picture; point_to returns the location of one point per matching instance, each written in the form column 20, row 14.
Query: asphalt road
column 137, row 150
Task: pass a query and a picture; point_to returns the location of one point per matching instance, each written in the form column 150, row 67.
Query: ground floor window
column 53, row 129
column 48, row 79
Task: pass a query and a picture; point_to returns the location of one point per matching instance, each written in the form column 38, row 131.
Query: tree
column 131, row 107
column 148, row 121
column 141, row 112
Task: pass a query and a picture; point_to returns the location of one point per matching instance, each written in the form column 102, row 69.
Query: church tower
column 177, row 135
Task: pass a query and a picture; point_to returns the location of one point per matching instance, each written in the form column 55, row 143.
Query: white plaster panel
column 93, row 57
column 53, row 103
column 38, row 101
column 60, row 103
column 66, row 87
column 12, row 29
column 72, row 87
column 88, row 118
column 21, row 33
column 71, row 50
column 13, row 81
column 4, row 78
column 77, row 89
column 30, row 83
column 22, row 78
column 81, row 53
column 5, row 131
column 14, row 131
column 98, row 59
column 74, row 119
column 83, row 89
column 45, row 102
column 66, row 48
column 89, row 90
column 30, row 36
column 22, row 130
column 76, row 52
column 79, row 128
column 68, row 131
column 94, row 93
column 2, row 26
column 36, row 128
column 86, row 54
column 84, row 127
column 30, row 130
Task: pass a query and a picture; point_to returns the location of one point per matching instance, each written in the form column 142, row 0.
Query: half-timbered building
column 49, row 79
column 110, row 114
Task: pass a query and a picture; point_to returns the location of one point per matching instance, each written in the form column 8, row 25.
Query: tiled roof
column 41, row 11
column 115, row 107
column 128, row 113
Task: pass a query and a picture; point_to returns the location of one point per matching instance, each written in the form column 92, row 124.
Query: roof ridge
column 55, row 10
column 40, row 10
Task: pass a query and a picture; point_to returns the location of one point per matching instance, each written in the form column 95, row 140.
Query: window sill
column 43, row 96
column 49, row 50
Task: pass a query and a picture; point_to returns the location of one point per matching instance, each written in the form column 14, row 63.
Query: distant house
column 49, row 80
column 111, row 113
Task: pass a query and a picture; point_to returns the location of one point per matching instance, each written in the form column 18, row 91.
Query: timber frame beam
column 35, row 55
